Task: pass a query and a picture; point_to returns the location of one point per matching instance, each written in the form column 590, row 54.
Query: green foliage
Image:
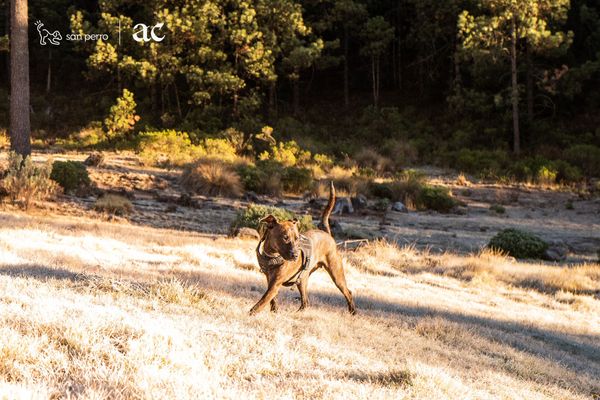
column 167, row 148
column 586, row 157
column 71, row 175
column 518, row 244
column 121, row 117
column 485, row 163
column 113, row 204
column 288, row 154
column 296, row 180
column 272, row 178
column 435, row 198
column 406, row 188
column 26, row 182
column 543, row 171
column 262, row 178
column 251, row 216
column 222, row 149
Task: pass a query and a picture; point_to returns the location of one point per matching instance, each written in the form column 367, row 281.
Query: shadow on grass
column 578, row 353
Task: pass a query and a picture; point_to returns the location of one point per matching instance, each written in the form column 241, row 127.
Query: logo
column 52, row 37
column 141, row 33
column 144, row 33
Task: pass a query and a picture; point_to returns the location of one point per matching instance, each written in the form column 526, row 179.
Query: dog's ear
column 270, row 221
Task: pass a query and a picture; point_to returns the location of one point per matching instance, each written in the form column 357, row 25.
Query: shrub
column 323, row 161
column 543, row 171
column 586, row 157
column 71, row 175
column 4, row 140
column 211, row 177
column 121, row 117
column 251, row 216
column 167, row 148
column 483, row 162
column 263, row 178
column 222, row 149
column 113, row 204
column 25, row 182
column 89, row 136
column 296, row 180
column 402, row 152
column 518, row 244
column 287, row 153
column 406, row 188
column 370, row 160
column 435, row 198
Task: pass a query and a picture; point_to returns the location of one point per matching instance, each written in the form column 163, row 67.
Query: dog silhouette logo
column 52, row 37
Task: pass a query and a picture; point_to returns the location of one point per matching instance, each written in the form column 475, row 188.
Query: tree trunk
column 346, row 73
column 272, row 99
column 49, row 74
column 296, row 95
column 7, row 32
column 529, row 85
column 515, row 88
column 20, row 127
column 177, row 100
column 374, row 79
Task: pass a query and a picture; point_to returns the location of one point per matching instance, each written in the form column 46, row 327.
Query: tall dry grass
column 488, row 266
column 95, row 310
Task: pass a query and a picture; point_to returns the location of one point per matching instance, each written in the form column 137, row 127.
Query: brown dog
column 288, row 258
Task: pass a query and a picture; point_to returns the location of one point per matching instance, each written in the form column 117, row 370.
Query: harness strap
column 266, row 261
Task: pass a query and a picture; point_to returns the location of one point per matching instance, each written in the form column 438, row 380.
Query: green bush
column 223, row 149
column 435, row 198
column 485, row 163
column 518, row 244
column 71, row 175
column 406, row 188
column 167, row 148
column 543, row 171
column 121, row 118
column 586, row 157
column 288, row 154
column 251, row 216
column 296, row 180
column 263, row 178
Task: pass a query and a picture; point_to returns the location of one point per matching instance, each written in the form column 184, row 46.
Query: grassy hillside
column 93, row 309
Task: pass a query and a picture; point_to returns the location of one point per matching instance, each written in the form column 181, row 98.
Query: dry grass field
column 92, row 309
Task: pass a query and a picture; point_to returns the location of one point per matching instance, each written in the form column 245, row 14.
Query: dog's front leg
column 270, row 294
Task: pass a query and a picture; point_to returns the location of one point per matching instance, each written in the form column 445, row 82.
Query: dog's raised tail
column 327, row 211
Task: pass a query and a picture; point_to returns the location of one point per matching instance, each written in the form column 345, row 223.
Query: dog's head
column 283, row 236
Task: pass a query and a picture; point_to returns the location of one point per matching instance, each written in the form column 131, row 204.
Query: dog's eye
column 286, row 239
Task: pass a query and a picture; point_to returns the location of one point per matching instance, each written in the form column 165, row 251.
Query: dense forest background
column 417, row 80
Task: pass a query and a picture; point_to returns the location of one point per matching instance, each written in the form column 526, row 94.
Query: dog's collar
column 267, row 261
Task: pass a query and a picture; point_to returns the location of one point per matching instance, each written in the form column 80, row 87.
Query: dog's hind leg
column 303, row 293
column 336, row 272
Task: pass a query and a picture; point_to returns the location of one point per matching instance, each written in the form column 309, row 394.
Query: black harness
column 267, row 262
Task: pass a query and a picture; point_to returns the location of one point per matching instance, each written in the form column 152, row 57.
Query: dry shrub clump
column 26, row 182
column 113, row 204
column 212, row 177
column 4, row 141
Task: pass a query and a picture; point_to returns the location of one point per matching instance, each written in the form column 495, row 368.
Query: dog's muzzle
column 292, row 255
